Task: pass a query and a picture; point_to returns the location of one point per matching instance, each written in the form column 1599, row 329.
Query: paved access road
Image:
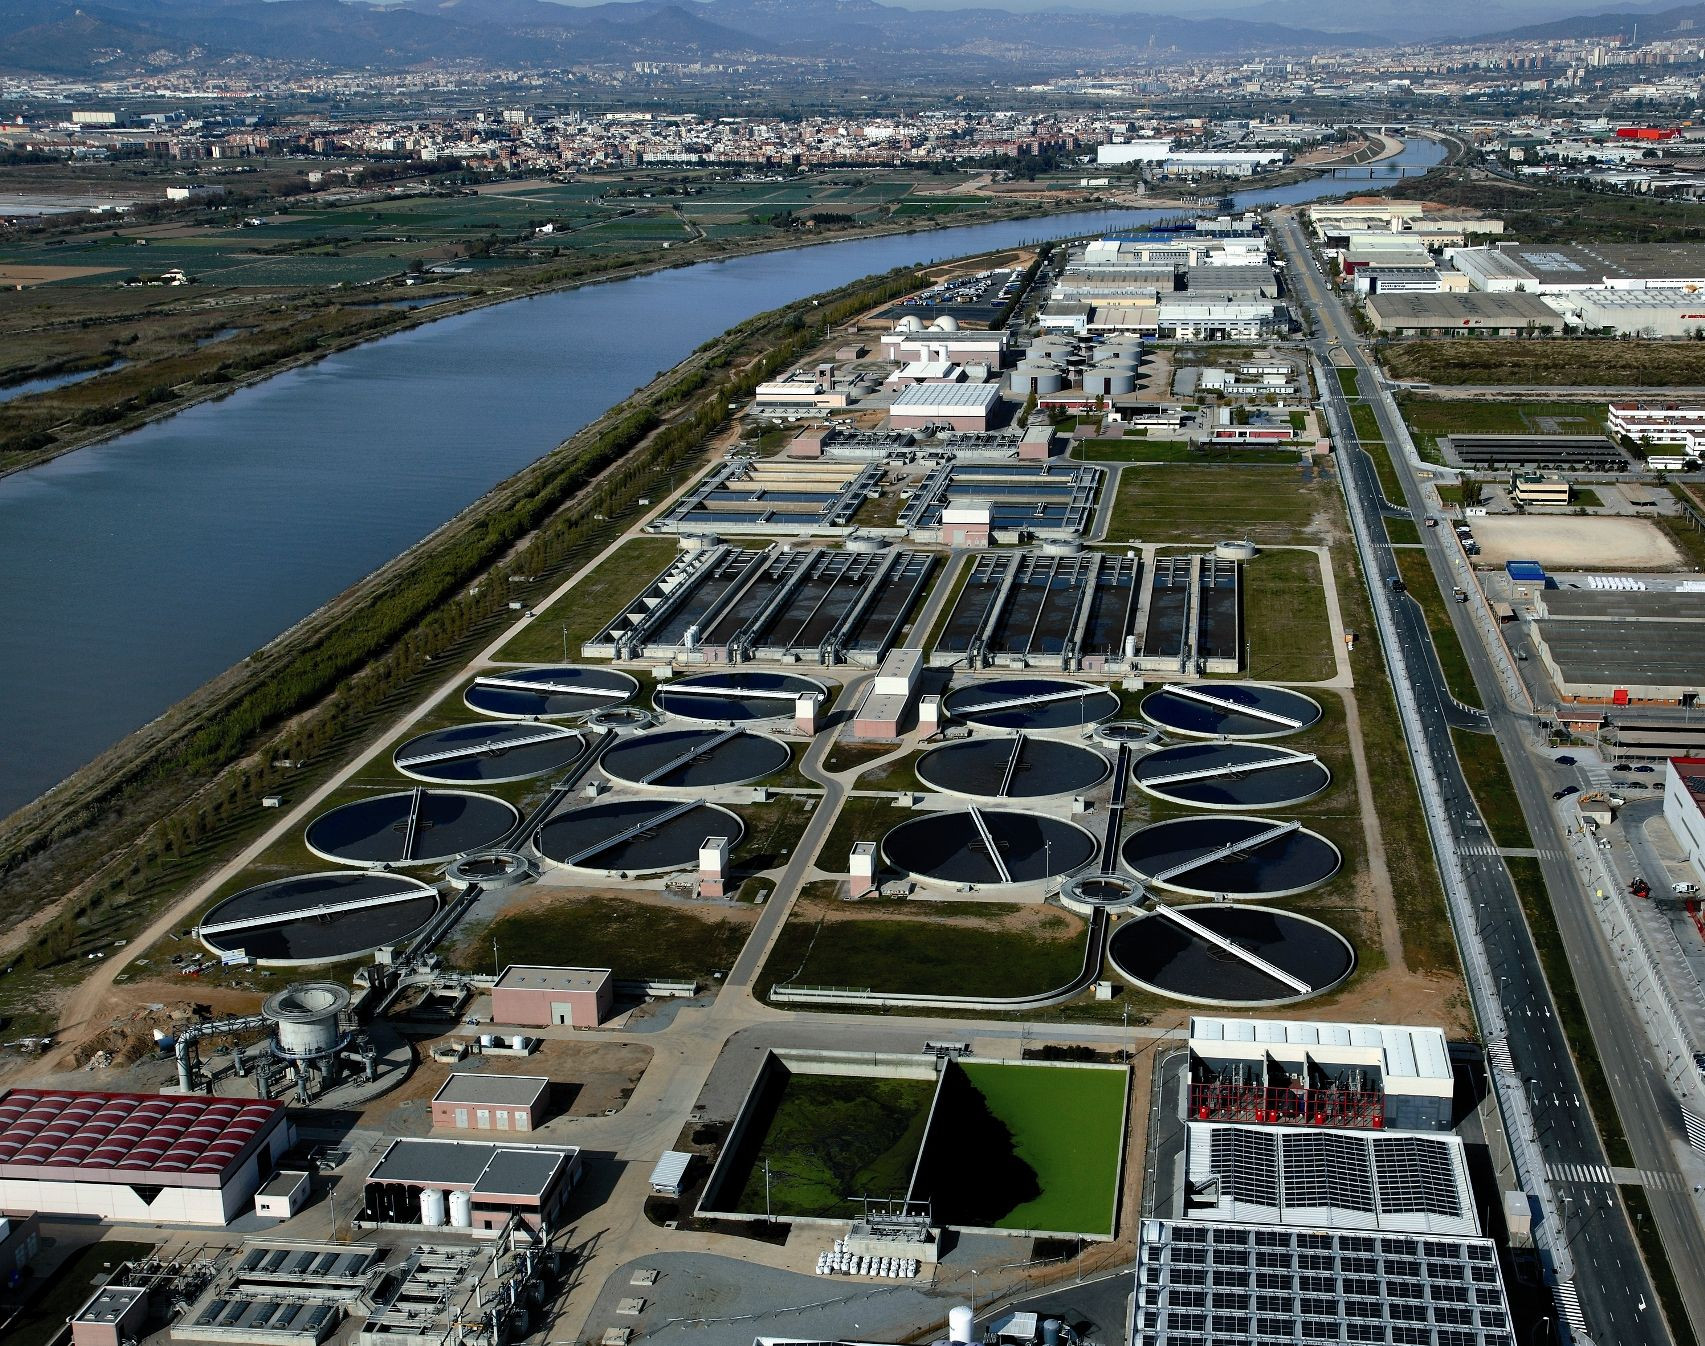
column 1615, row 1296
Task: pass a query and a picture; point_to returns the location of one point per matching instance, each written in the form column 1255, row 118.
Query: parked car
column 1644, row 769
column 1565, row 761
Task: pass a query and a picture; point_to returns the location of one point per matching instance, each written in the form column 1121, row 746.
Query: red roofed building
column 152, row 1158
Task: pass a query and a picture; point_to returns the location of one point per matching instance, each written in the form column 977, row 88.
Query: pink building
column 471, row 1101
column 532, row 996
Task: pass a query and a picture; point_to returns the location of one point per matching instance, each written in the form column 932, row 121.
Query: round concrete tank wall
column 1235, row 550
column 307, row 1017
column 1038, row 379
column 1109, row 383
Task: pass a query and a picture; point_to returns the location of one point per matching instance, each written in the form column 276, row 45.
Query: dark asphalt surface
column 1616, row 1297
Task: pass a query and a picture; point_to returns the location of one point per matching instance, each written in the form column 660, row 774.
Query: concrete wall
column 530, row 1008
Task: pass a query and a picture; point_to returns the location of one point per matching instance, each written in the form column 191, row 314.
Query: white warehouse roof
column 1412, row 1059
column 948, row 399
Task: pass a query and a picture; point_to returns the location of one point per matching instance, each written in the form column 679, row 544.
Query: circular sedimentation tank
column 410, row 827
column 1030, row 703
column 1229, row 710
column 550, row 693
column 688, row 759
column 1016, row 766
column 1230, row 856
column 635, row 836
column 1274, row 958
column 1231, row 775
column 319, row 918
column 739, row 696
column 488, row 753
column 987, row 848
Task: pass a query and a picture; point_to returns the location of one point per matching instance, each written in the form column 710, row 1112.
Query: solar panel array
column 100, row 1132
column 1345, row 1179
column 1242, row 1285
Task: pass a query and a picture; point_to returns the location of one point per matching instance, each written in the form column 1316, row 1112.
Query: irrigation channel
column 141, row 567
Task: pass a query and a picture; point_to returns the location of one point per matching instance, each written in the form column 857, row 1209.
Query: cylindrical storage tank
column 1050, row 348
column 306, row 1017
column 865, row 542
column 432, row 1207
column 959, row 1320
column 1050, row 1332
column 1035, row 377
column 1240, row 549
column 1063, row 546
column 488, row 1039
column 1115, row 355
column 698, row 541
column 461, row 1210
column 1109, row 383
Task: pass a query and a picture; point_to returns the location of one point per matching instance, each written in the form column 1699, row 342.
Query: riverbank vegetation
column 128, row 833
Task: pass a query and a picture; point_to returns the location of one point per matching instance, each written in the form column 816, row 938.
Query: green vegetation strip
column 1489, row 781
column 905, row 955
column 1067, row 1125
column 1658, row 1265
column 1174, row 451
column 583, row 611
column 1402, row 532
column 1206, row 503
column 1571, row 1014
column 1284, row 606
column 633, row 939
column 1549, row 363
column 1424, row 589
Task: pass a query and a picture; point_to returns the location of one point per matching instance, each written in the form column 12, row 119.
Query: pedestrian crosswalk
column 1598, row 1173
column 1569, row 1305
column 1498, row 1053
column 1579, row 1173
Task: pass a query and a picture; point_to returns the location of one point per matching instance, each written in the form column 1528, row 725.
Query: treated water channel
column 139, row 568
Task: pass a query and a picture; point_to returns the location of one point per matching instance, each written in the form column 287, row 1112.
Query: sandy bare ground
column 19, row 276
column 1569, row 542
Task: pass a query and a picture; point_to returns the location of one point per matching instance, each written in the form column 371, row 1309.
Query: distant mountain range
column 1652, row 25
column 93, row 37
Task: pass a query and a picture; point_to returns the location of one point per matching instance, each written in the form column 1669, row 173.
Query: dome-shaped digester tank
column 307, row 1017
column 1103, row 382
column 461, row 1210
column 432, row 1212
column 946, row 323
column 910, row 323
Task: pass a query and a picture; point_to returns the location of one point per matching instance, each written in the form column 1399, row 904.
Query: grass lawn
column 1424, row 589
column 582, row 612
column 1571, row 1014
column 1489, row 780
column 1204, row 504
column 1549, row 362
column 862, row 818
column 1076, row 1166
column 1431, row 418
column 633, row 939
column 1349, row 383
column 1402, row 530
column 912, row 954
column 1429, row 944
column 1172, row 451
column 1284, row 608
column 63, row 1293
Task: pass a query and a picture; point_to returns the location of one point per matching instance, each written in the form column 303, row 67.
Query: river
column 137, row 569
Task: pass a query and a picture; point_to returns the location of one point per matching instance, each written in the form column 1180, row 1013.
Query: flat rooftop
column 537, row 977
column 1405, row 1053
column 501, row 1090
column 943, row 397
column 1441, row 310
column 1595, row 263
column 109, row 1304
column 1639, row 653
column 485, row 1169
